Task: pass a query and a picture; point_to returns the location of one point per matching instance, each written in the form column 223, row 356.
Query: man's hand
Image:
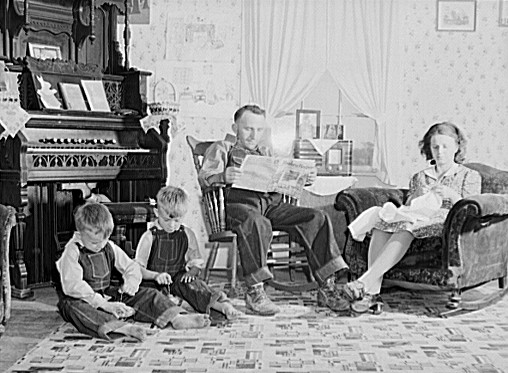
column 163, row 278
column 232, row 175
column 311, row 178
column 118, row 309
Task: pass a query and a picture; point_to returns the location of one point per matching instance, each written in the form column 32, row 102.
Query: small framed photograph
column 44, row 52
column 72, row 96
column 307, row 124
column 333, row 132
column 95, row 95
column 456, row 15
column 503, row 13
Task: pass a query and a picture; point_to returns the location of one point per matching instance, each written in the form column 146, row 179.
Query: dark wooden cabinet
column 84, row 30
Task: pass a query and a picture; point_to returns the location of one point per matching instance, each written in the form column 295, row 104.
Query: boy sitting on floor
column 170, row 260
column 89, row 301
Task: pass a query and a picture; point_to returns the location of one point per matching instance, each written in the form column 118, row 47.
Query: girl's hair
column 94, row 216
column 448, row 129
column 173, row 199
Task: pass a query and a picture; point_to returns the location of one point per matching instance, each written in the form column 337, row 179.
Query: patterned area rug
column 407, row 337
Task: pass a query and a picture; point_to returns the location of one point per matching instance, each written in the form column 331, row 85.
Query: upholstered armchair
column 472, row 250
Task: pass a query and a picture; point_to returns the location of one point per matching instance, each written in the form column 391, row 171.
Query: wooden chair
column 284, row 254
column 7, row 221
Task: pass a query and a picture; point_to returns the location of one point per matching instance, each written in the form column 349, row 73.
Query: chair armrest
column 213, row 188
column 473, row 213
column 474, row 233
column 354, row 201
column 481, row 206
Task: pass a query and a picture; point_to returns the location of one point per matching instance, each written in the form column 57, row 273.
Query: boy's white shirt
column 192, row 256
column 71, row 272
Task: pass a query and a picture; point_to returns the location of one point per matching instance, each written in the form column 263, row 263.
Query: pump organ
column 60, row 148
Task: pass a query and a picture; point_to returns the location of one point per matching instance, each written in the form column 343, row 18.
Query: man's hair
column 95, row 217
column 174, row 199
column 252, row 108
column 448, row 129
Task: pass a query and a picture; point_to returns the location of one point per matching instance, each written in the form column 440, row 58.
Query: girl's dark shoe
column 369, row 302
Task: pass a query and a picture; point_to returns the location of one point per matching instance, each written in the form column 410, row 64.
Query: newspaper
column 269, row 174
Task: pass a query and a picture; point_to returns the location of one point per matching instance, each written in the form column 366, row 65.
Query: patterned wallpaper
column 460, row 77
column 457, row 76
column 203, row 35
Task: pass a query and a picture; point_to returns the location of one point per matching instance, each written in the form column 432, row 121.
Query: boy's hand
column 128, row 289
column 163, row 278
column 118, row 309
column 191, row 275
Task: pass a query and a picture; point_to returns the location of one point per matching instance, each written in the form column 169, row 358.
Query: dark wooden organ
column 44, row 167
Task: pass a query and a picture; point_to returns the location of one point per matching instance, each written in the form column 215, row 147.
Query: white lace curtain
column 288, row 45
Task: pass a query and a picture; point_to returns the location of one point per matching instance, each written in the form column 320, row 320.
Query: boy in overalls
column 87, row 298
column 170, row 259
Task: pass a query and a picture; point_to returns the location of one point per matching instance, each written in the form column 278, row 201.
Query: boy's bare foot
column 227, row 309
column 191, row 321
column 133, row 331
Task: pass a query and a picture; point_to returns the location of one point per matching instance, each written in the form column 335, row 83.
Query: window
column 336, row 109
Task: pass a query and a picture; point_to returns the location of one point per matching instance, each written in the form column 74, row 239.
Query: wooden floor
column 31, row 321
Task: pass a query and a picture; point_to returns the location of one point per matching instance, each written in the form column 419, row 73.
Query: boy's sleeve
column 71, row 277
column 130, row 270
column 193, row 256
column 144, row 248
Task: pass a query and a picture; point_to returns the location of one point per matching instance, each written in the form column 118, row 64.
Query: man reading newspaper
column 253, row 215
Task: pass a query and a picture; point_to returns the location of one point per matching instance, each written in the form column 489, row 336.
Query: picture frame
column 333, row 132
column 72, row 96
column 503, row 13
column 44, row 51
column 307, row 124
column 95, row 95
column 456, row 15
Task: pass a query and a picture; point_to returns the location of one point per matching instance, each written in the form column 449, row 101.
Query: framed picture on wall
column 503, row 13
column 307, row 124
column 44, row 52
column 456, row 15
